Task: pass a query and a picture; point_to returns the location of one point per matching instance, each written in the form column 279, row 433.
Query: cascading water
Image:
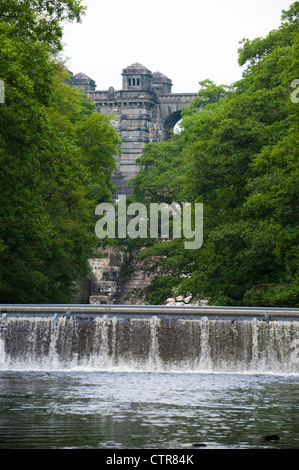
column 154, row 355
column 150, row 342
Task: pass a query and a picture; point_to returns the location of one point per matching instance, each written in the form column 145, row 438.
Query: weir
column 151, row 338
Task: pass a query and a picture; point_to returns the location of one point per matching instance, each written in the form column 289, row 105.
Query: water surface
column 155, row 410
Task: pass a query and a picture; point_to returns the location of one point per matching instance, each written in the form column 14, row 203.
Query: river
column 94, row 409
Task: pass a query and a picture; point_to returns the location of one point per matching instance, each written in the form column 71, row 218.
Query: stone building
column 143, row 111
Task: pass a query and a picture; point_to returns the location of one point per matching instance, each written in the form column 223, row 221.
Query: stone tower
column 80, row 80
column 137, row 77
column 143, row 111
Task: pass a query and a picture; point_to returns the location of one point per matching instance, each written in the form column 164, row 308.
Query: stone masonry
column 143, row 111
column 106, row 286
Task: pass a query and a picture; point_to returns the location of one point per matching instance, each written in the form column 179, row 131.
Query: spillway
column 151, row 338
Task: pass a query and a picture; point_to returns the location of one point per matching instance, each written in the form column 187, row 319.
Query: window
column 134, row 81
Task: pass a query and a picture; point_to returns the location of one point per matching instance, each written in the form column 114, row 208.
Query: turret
column 137, row 77
column 80, row 80
column 161, row 83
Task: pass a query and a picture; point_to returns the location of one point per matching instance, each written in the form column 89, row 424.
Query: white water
column 110, row 343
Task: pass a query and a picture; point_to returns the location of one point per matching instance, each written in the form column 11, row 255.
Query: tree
column 40, row 20
column 239, row 158
column 51, row 180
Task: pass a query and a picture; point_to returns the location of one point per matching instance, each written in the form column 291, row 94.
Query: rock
column 199, row 444
column 271, row 437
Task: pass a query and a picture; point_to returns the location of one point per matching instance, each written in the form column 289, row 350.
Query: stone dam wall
column 149, row 338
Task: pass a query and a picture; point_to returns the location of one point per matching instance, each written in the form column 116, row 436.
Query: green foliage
column 253, row 51
column 51, row 177
column 40, row 20
column 160, row 184
column 238, row 155
column 95, row 137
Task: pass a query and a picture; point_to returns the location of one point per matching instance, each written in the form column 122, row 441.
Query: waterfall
column 205, row 358
column 149, row 342
column 154, row 354
column 3, row 328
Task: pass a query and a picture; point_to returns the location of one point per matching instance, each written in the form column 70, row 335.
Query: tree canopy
column 56, row 158
column 237, row 154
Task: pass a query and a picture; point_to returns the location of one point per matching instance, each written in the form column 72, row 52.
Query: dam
column 149, row 338
column 148, row 377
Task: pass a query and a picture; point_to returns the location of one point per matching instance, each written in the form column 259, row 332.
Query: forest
column 236, row 153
